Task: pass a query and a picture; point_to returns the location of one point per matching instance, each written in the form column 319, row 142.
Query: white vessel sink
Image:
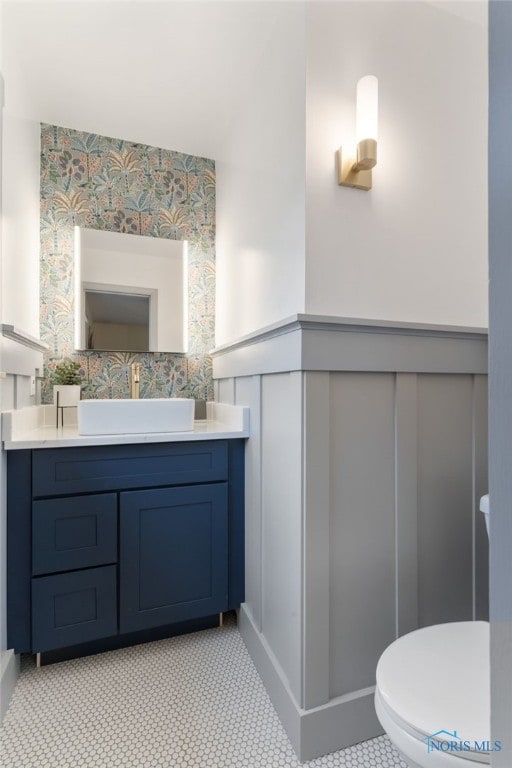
column 125, row 417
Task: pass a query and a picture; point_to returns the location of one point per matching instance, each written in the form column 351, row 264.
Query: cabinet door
column 173, row 555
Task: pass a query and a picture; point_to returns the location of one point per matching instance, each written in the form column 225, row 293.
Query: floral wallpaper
column 106, row 183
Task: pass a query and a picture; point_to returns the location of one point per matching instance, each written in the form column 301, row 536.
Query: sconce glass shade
column 367, row 108
column 356, row 171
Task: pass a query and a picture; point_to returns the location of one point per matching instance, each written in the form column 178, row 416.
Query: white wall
column 261, row 187
column 20, row 214
column 414, row 248
column 215, row 42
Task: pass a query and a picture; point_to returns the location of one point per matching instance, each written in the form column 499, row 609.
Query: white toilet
column 433, row 693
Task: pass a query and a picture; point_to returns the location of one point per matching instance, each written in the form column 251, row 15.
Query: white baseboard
column 343, row 721
column 9, row 671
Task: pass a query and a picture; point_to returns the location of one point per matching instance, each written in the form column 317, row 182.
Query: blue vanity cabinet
column 114, row 545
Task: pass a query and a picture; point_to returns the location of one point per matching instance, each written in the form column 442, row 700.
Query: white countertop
column 34, row 427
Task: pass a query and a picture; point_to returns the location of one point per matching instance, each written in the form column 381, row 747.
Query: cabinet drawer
column 61, row 471
column 72, row 533
column 73, row 608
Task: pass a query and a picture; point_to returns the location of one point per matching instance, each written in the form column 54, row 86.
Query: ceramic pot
column 69, row 394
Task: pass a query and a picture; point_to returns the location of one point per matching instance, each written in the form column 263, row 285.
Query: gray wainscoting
column 362, row 524
column 362, row 527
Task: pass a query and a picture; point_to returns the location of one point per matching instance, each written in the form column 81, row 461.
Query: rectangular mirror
column 130, row 292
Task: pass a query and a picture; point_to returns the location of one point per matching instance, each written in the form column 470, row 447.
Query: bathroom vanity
column 113, row 541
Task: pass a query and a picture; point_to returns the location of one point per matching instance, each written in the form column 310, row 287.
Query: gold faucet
column 135, row 381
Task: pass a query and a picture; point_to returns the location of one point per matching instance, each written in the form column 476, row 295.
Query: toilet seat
column 414, row 750
column 434, row 679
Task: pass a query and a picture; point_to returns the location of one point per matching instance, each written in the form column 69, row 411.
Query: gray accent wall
column 500, row 370
column 362, row 524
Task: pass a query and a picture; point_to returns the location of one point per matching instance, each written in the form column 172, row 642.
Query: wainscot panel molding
column 364, row 470
column 321, row 343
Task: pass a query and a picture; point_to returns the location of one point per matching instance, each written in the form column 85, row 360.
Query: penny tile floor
column 194, row 701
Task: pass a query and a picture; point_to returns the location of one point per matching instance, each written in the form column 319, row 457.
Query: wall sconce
column 357, row 171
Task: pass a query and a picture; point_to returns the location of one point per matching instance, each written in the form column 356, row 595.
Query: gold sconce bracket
column 348, row 176
column 356, row 172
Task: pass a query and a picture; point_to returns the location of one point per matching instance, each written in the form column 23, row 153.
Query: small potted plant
column 66, row 384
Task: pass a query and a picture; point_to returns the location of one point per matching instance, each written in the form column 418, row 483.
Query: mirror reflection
column 117, row 321
column 147, row 312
